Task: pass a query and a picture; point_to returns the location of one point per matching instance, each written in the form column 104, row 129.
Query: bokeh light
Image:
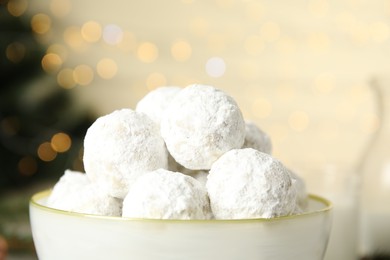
column 65, row 78
column 379, row 32
column 91, row 31
column 60, row 8
column 51, row 62
column 181, row 50
column 83, row 74
column 17, row 7
column 41, row 23
column 318, row 41
column 270, row 31
column 199, row 26
column 261, row 108
column 59, row 50
column 74, row 38
column 147, row 52
column 46, row 153
column 255, row 11
column 298, row 120
column 10, row 125
column 324, row 83
column 61, row 142
column 112, row 34
column 106, row 68
column 215, row 67
column 27, row 166
column 15, row 52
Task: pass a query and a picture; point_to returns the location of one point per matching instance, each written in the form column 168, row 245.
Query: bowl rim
column 34, row 202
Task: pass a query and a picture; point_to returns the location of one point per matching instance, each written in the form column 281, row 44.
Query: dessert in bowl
column 193, row 181
column 68, row 235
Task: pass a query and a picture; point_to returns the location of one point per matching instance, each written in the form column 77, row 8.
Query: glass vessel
column 375, row 169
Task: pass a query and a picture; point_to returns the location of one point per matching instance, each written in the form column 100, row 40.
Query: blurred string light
column 17, row 7
column 318, row 8
column 10, row 125
column 61, row 142
column 112, row 34
column 51, row 62
column 60, row 8
column 106, row 68
column 65, row 78
column 181, row 50
column 147, row 52
column 261, row 108
column 270, row 31
column 265, row 35
column 45, row 152
column 255, row 11
column 74, row 39
column 199, row 26
column 324, row 83
column 59, row 50
column 318, row 41
column 298, row 120
column 215, row 67
column 380, row 32
column 83, row 74
column 27, row 166
column 41, row 23
column 15, row 52
column 91, row 31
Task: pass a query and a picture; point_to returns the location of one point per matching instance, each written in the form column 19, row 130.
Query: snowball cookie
column 74, row 192
column 163, row 194
column 246, row 183
column 156, row 102
column 121, row 146
column 256, row 138
column 200, row 125
column 302, row 196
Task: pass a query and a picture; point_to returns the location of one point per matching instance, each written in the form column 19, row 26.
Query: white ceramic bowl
column 66, row 235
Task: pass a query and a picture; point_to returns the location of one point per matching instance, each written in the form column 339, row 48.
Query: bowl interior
column 302, row 236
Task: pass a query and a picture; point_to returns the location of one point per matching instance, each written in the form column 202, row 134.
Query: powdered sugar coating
column 246, row 183
column 74, row 192
column 156, row 102
column 120, row 147
column 256, row 138
column 300, row 185
column 163, row 194
column 200, row 125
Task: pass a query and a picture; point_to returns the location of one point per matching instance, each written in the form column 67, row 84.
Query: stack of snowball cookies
column 183, row 153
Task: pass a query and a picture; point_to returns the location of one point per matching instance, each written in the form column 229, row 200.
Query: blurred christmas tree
column 41, row 131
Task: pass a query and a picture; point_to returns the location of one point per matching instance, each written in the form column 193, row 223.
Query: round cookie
column 156, row 102
column 200, row 125
column 302, row 196
column 74, row 192
column 246, row 183
column 163, row 194
column 256, row 138
column 120, row 147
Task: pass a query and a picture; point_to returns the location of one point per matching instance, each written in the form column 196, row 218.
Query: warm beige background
column 300, row 69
